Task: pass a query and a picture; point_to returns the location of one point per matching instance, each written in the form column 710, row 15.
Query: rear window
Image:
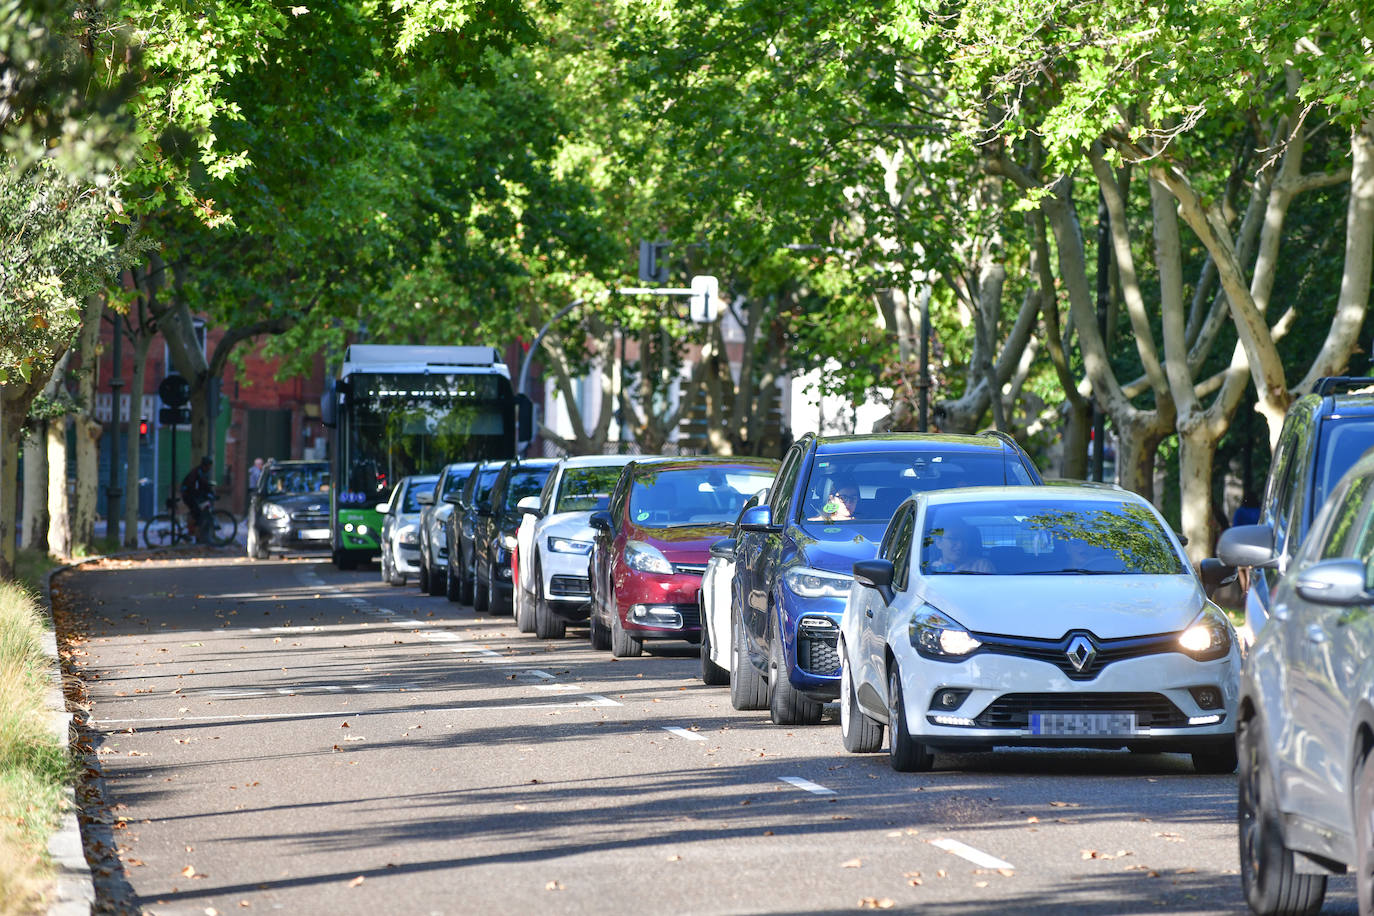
column 525, row 483
column 869, row 486
column 1343, row 442
column 586, row 489
column 454, row 480
column 285, row 481
column 485, row 482
column 411, row 496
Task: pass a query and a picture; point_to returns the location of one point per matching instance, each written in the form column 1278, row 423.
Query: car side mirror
column 876, row 574
column 724, row 549
column 758, row 518
column 1337, row 583
column 530, row 506
column 601, row 521
column 425, row 499
column 383, row 508
column 1215, row 575
column 453, row 499
column 1248, row 545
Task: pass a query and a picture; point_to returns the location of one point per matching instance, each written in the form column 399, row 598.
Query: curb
column 74, row 886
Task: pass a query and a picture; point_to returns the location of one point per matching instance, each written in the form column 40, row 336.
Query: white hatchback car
column 1047, row 616
column 401, row 528
column 554, row 542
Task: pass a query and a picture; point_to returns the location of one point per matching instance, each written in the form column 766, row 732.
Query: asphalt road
column 282, row 736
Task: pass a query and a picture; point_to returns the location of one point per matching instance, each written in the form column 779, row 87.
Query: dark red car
column 653, row 541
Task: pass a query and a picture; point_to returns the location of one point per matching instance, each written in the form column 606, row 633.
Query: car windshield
column 586, row 489
column 708, row 495
column 411, row 497
column 524, row 483
column 485, row 481
column 869, row 486
column 1343, row 442
column 1036, row 537
column 454, row 480
column 286, row 481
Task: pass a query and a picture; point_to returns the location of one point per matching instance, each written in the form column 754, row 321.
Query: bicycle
column 167, row 528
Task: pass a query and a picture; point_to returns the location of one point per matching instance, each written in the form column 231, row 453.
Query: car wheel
column 394, row 576
column 786, row 704
column 468, row 580
column 623, row 645
column 860, row 733
column 600, row 638
column 1217, row 760
column 481, row 597
column 547, row 624
column 1268, row 874
column 712, row 675
column 524, row 608
column 1364, row 837
column 257, row 550
column 453, row 586
column 435, row 583
column 424, row 575
column 748, row 687
column 904, row 753
column 344, row 560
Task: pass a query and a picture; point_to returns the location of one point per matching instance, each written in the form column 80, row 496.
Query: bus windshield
column 395, row 425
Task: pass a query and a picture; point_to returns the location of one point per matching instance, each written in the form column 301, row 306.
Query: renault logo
column 1081, row 652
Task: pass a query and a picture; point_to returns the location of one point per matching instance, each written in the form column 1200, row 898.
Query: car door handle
column 868, row 612
column 1316, row 634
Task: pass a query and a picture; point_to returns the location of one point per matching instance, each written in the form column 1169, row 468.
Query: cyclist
column 198, row 492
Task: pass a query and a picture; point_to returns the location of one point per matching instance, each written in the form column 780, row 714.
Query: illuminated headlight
column 643, row 557
column 362, row 529
column 934, row 635
column 275, row 512
column 807, row 582
column 408, row 536
column 568, row 545
column 348, row 526
column 1208, row 637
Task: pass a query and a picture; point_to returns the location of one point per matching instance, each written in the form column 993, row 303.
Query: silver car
column 1034, row 616
column 433, row 519
column 1306, row 712
column 401, row 528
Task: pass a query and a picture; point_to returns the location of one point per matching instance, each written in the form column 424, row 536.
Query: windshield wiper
column 1074, row 571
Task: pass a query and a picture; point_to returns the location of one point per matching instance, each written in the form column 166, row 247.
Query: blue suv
column 828, row 507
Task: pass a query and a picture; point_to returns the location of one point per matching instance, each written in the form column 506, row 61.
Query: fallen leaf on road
column 980, row 884
column 675, row 858
column 942, row 874
column 356, row 881
column 875, row 903
column 1059, row 804
column 1171, row 837
column 914, row 882
column 1032, row 820
column 345, row 725
column 1006, row 872
column 852, row 863
column 553, row 886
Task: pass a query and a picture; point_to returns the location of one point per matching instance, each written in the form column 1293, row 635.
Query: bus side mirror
column 524, row 418
column 329, row 405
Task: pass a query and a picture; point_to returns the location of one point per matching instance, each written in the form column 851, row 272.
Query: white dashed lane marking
column 807, row 785
column 682, row 733
column 976, row 856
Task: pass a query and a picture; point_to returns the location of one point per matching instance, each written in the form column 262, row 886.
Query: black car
column 289, row 508
column 795, row 554
column 460, row 528
column 1324, row 434
column 495, row 523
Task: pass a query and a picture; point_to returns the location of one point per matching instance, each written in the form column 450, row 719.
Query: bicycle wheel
column 159, row 531
column 224, row 529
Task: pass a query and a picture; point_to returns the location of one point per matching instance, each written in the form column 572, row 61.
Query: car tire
column 1219, row 760
column 344, row 560
column 435, row 584
column 453, row 586
column 481, row 596
column 466, row 580
column 524, row 608
column 424, row 576
column 1268, row 872
column 748, row 686
column 623, row 645
column 257, row 549
column 389, row 573
column 786, row 704
column 712, row 675
column 597, row 634
column 547, row 624
column 1364, row 837
column 906, row 754
column 860, row 733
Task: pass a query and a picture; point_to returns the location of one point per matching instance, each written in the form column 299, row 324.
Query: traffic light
column 143, row 429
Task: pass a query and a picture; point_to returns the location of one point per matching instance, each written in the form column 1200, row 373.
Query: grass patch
column 34, row 768
column 30, row 566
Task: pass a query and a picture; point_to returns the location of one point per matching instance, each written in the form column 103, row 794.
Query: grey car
column 433, row 519
column 1306, row 710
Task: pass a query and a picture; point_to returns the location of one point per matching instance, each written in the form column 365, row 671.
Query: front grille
column 1013, row 710
column 1056, row 651
column 695, row 569
column 311, row 519
column 691, row 615
column 818, row 653
column 572, row 586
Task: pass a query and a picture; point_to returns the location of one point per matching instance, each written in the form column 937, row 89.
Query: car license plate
column 1083, row 723
column 314, row 534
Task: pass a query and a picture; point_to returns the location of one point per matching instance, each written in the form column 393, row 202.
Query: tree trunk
column 1138, row 443
column 34, row 533
column 1078, row 421
column 133, row 471
column 59, row 506
column 87, row 429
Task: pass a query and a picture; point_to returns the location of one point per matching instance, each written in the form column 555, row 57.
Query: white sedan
column 1048, row 617
column 554, row 542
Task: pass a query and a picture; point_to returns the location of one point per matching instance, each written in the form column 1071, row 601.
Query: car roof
column 1336, row 406
column 599, row 461
column 1050, row 493
column 887, row 442
column 702, row 461
column 294, row 463
column 533, row 462
column 460, row 464
column 415, row 479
